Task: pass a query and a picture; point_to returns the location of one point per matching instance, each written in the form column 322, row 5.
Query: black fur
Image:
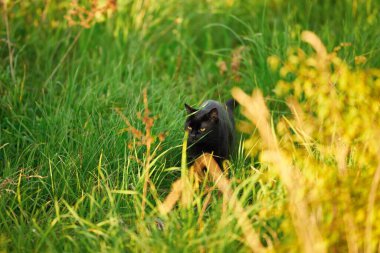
column 218, row 135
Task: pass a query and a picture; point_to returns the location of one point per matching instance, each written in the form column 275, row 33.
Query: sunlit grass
column 72, row 179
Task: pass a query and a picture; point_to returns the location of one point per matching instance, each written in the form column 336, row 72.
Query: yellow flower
column 273, row 62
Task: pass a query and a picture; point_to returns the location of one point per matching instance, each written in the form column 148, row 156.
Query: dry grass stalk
column 206, row 161
column 234, row 64
column 222, row 66
column 236, row 59
column 223, row 184
column 316, row 43
column 80, row 15
column 204, row 207
column 148, row 121
column 259, row 117
column 172, row 198
column 254, row 108
column 143, row 138
column 299, row 116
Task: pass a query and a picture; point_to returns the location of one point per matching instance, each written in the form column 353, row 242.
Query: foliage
column 76, row 174
column 328, row 150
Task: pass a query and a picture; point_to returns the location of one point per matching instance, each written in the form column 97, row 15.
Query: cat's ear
column 189, row 109
column 213, row 114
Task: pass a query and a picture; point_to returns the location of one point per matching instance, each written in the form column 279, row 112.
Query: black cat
column 211, row 130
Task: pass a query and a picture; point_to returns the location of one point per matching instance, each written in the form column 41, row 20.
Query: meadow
column 92, row 119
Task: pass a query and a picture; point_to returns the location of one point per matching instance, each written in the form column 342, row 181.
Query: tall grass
column 72, row 180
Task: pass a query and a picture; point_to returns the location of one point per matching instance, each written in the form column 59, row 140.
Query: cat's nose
column 192, row 136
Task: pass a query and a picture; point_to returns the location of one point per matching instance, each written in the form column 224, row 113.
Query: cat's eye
column 189, row 127
column 202, row 129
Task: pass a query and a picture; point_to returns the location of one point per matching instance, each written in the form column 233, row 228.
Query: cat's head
column 200, row 123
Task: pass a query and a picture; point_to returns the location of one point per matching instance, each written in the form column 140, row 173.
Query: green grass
column 62, row 156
